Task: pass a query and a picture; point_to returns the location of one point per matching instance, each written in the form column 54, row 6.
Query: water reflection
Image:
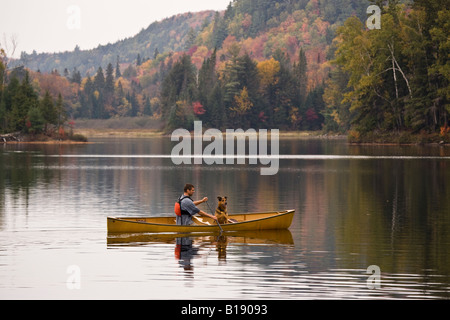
column 260, row 237
column 189, row 246
column 185, row 252
column 355, row 206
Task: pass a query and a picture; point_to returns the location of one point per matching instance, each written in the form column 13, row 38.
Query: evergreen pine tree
column 118, row 73
column 109, row 81
column 179, row 85
column 147, row 107
column 219, row 31
column 48, row 111
column 61, row 115
column 76, row 76
column 35, row 121
column 138, row 60
column 99, row 80
column 22, row 101
column 207, row 79
column 301, row 77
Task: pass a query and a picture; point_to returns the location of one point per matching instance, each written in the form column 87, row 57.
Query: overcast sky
column 60, row 25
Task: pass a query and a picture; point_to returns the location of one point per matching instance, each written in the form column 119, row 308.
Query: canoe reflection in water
column 191, row 245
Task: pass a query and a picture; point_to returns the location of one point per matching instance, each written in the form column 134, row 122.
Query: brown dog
column 221, row 211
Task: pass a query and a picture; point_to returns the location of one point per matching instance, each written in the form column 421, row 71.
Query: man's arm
column 191, row 207
column 203, row 213
column 200, row 201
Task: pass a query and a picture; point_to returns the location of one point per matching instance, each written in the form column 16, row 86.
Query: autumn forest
column 292, row 65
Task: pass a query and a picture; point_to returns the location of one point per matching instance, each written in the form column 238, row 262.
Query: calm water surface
column 356, row 206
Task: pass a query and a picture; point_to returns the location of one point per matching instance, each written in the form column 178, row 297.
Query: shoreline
column 49, row 142
column 403, row 138
column 21, row 138
column 125, row 133
column 90, row 133
column 144, row 133
column 416, row 140
column 149, row 127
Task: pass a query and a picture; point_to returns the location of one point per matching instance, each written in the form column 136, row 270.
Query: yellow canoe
column 245, row 222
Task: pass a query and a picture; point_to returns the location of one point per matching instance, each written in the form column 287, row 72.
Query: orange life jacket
column 177, row 208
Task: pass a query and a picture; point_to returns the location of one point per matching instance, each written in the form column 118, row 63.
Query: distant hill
column 257, row 63
column 170, row 34
column 243, row 19
column 135, row 76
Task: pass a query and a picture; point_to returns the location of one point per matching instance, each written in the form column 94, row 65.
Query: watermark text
column 374, row 280
column 374, row 20
column 213, row 153
column 74, row 278
column 74, row 19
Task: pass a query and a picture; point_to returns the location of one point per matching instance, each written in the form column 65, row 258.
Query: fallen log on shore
column 10, row 137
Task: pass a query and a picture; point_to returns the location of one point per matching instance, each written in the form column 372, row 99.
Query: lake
column 371, row 222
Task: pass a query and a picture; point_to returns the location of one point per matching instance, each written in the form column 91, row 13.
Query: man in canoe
column 189, row 208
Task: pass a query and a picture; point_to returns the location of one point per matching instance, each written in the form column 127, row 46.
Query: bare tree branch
column 9, row 47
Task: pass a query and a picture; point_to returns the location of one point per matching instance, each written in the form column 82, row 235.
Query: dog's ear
column 226, row 198
column 219, row 198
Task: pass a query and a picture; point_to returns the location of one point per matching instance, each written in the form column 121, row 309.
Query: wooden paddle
column 221, row 230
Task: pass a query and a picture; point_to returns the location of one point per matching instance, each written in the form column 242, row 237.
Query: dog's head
column 222, row 203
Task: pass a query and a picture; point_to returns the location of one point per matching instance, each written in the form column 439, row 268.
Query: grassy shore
column 399, row 138
column 144, row 127
column 22, row 138
column 130, row 133
column 146, row 133
column 120, row 127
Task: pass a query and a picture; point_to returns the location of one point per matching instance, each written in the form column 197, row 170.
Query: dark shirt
column 188, row 205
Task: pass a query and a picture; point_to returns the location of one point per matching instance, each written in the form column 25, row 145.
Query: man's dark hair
column 188, row 186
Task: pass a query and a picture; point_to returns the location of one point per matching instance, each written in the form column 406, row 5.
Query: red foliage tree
column 311, row 115
column 198, row 108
